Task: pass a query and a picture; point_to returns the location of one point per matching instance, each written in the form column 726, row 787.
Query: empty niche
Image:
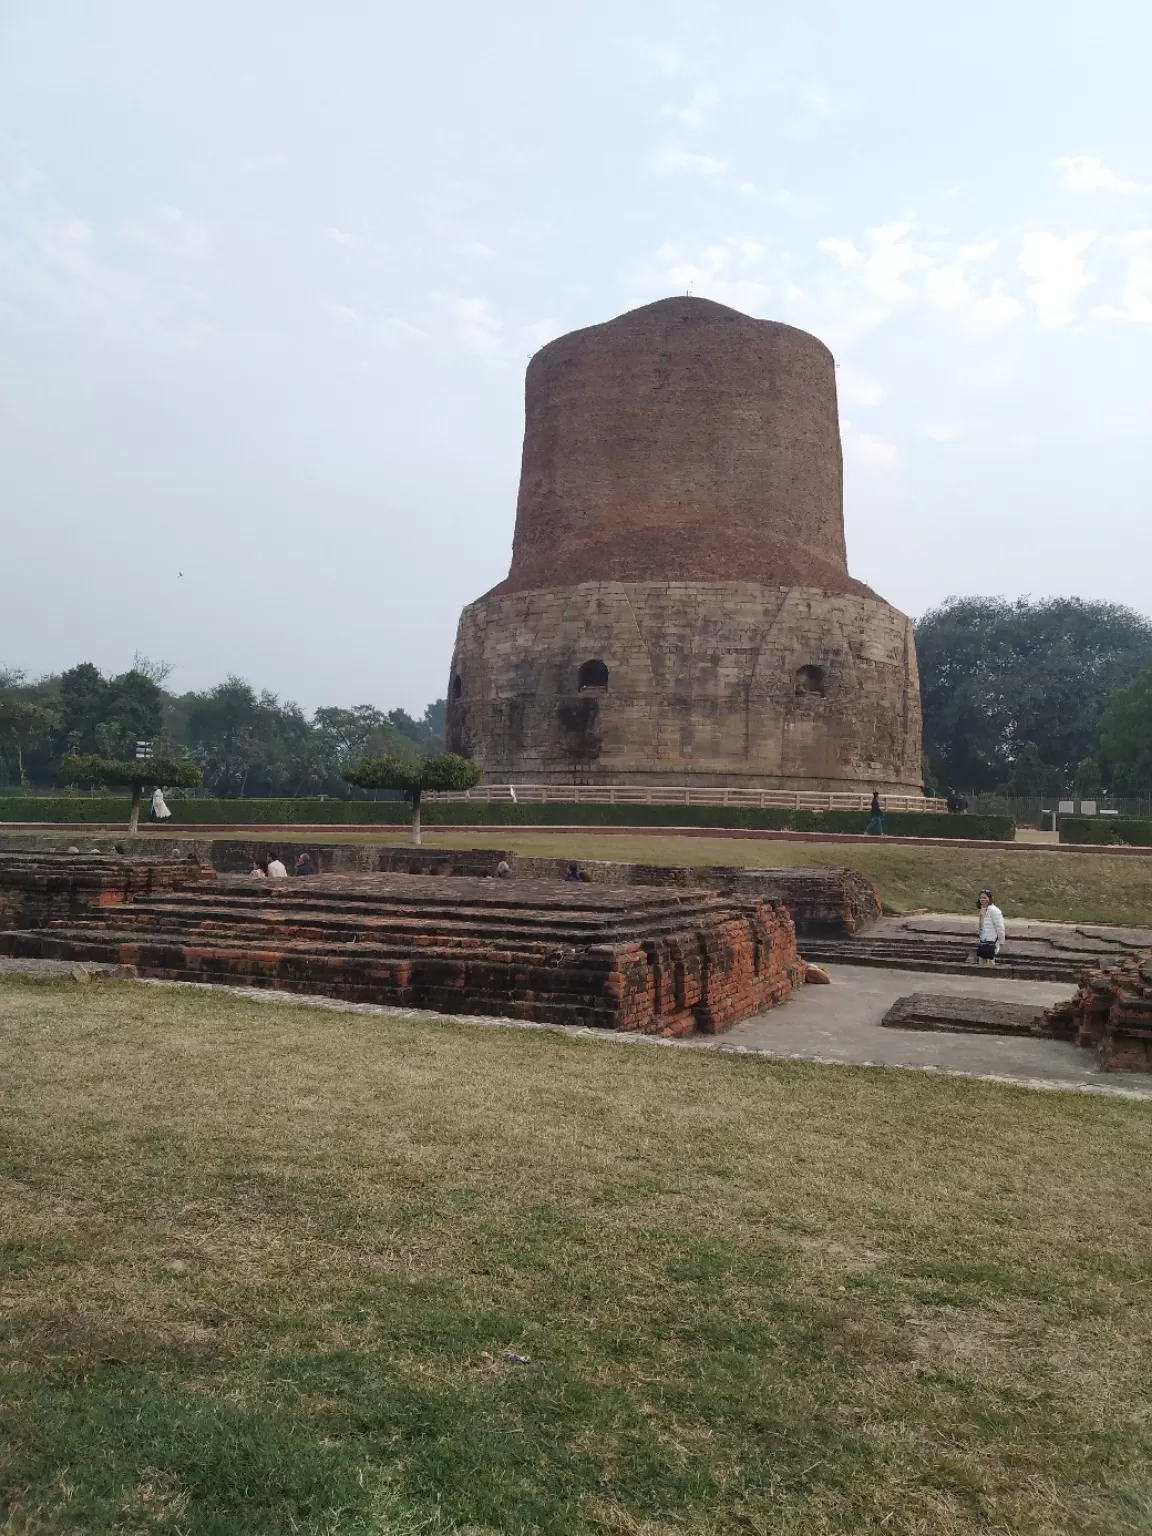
column 810, row 680
column 593, row 674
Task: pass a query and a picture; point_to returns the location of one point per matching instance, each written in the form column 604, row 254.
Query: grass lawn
column 262, row 1266
column 1050, row 886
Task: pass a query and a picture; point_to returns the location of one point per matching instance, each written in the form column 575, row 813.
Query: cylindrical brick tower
column 679, row 608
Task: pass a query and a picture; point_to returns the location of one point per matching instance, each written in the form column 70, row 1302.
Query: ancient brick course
column 634, row 959
column 1111, row 1014
column 679, row 608
column 36, row 888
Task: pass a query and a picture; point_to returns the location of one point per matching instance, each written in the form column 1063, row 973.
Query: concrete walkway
column 835, row 1024
column 842, row 1023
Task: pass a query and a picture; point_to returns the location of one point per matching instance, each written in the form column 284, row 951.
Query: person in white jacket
column 991, row 934
column 160, row 811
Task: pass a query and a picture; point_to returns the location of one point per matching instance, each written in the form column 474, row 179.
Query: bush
column 504, row 814
column 1135, row 830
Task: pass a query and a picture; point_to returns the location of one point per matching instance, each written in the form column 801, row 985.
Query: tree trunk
column 134, row 814
column 20, row 760
column 416, row 818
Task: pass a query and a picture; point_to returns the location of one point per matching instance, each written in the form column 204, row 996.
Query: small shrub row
column 1133, row 830
column 504, row 814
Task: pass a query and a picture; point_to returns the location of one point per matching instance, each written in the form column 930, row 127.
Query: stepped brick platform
column 652, row 961
column 822, row 902
column 36, row 888
column 1034, row 951
column 961, row 1015
column 1111, row 1013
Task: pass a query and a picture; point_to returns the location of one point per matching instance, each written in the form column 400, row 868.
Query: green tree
column 24, row 725
column 997, row 675
column 90, row 768
column 1126, row 736
column 445, row 771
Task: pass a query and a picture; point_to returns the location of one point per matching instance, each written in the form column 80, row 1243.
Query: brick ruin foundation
column 639, row 959
column 823, row 903
column 37, row 888
column 1111, row 1014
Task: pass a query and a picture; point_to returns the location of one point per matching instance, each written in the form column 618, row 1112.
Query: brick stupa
column 679, row 608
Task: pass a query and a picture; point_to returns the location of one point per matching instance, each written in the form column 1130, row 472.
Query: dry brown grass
column 256, row 1255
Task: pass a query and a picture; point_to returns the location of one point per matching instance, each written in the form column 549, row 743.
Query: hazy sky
column 270, row 274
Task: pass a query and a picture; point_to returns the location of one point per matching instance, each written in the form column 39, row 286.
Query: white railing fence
column 677, row 794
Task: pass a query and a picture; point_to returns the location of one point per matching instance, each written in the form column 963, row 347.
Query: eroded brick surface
column 36, row 888
column 649, row 960
column 1111, row 1014
column 823, row 903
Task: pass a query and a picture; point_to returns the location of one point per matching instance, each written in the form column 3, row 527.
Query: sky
column 270, row 276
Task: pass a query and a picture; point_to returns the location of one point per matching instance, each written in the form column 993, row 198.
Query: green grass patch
column 1044, row 885
column 263, row 1265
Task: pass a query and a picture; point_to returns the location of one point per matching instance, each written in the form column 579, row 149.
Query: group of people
column 275, row 868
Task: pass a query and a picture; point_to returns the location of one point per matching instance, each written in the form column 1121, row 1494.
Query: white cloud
column 343, row 312
column 1056, row 265
column 704, row 98
column 395, row 333
column 477, row 250
column 477, row 326
column 541, row 332
column 1136, row 292
column 342, row 237
column 675, row 162
column 868, row 449
column 818, row 101
column 171, row 232
column 943, row 431
column 1084, row 174
column 747, row 189
column 855, row 389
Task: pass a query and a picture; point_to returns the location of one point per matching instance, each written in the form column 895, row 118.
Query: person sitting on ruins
column 276, row 870
column 502, row 870
column 305, row 864
column 991, row 932
column 258, row 870
column 573, row 872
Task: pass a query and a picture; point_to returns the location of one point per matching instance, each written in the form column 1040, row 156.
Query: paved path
column 842, row 1023
column 835, row 1024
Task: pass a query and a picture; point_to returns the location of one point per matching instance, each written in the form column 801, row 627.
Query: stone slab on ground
column 843, row 1023
column 964, row 1015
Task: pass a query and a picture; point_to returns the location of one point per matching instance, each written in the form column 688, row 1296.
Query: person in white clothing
column 160, row 811
column 276, row 870
column 991, row 934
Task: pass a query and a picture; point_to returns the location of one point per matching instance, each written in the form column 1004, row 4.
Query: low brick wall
column 37, row 888
column 570, row 953
column 1111, row 1014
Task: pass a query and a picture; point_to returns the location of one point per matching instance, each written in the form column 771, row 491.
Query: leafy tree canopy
column 1126, row 736
column 1022, row 683
column 445, row 771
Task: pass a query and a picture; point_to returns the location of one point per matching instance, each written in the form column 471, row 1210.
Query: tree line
column 244, row 742
column 1036, row 698
column 1024, row 698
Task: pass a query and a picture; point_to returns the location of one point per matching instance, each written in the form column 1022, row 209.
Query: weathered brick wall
column 708, row 683
column 683, row 439
column 1111, row 1013
column 36, row 887
column 629, row 959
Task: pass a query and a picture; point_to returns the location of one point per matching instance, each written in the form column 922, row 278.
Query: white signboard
column 1087, row 807
column 1067, row 807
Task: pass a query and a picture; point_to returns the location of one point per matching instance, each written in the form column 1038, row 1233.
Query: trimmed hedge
column 504, row 814
column 1133, row 830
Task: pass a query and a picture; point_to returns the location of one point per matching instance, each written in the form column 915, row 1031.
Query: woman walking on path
column 991, row 933
column 875, row 827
